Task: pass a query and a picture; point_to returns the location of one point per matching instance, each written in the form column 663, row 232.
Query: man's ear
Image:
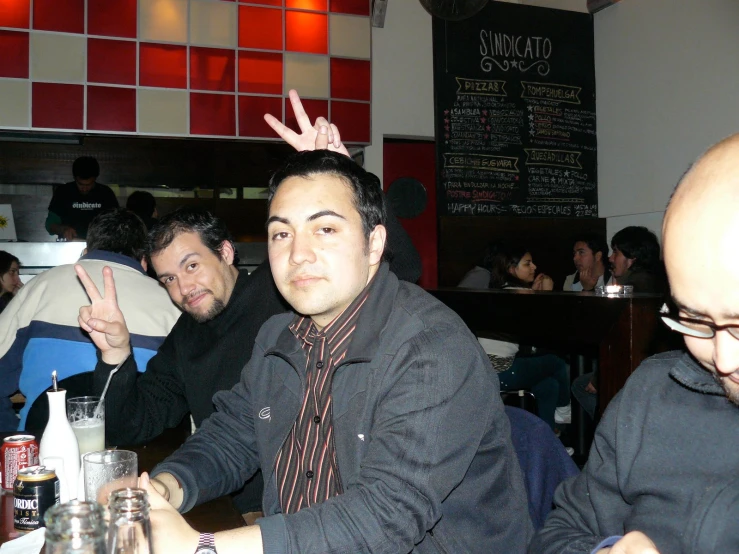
column 84, row 252
column 377, row 240
column 144, row 264
column 598, row 257
column 630, row 262
column 227, row 252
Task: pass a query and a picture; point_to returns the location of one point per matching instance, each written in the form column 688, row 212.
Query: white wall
column 402, row 78
column 667, row 88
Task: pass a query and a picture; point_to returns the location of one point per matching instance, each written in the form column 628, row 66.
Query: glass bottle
column 130, row 529
column 75, row 528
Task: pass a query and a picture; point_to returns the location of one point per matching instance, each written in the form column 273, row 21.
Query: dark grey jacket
column 664, row 450
column 422, row 442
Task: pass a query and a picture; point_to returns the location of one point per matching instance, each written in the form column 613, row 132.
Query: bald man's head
column 700, row 242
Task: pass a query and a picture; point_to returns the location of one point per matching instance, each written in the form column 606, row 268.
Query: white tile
column 58, row 58
column 213, row 23
column 307, row 74
column 14, row 108
column 162, row 111
column 350, row 36
column 163, row 20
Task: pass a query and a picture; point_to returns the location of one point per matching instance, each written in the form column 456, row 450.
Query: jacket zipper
column 436, row 542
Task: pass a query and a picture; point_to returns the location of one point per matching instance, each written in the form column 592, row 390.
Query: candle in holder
column 614, row 289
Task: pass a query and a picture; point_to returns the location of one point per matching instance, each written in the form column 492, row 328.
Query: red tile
column 356, row 7
column 162, row 65
column 314, row 109
column 212, row 69
column 111, row 61
column 260, row 28
column 351, row 79
column 264, row 2
column 14, row 57
column 306, row 32
column 57, row 106
column 251, row 115
column 111, row 109
column 260, row 72
column 15, row 13
column 353, row 120
column 313, row 5
column 67, row 16
column 212, row 114
column 111, row 18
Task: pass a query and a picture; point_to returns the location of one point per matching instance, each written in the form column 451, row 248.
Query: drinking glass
column 88, row 426
column 108, row 470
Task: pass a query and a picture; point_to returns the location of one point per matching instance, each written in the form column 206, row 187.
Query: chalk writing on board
column 525, row 52
column 515, row 113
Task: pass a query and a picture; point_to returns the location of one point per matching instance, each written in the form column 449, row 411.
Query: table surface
column 216, row 515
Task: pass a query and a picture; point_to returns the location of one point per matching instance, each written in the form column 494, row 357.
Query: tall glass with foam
column 87, row 424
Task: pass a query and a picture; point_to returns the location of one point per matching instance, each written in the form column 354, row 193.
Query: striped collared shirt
column 305, row 469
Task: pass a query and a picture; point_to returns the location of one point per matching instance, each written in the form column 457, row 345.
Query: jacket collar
column 113, row 257
column 370, row 325
column 689, row 373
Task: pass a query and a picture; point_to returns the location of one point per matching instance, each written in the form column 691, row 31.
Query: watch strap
column 207, row 543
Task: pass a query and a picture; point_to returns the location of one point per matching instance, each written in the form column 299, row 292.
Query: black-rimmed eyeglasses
column 698, row 328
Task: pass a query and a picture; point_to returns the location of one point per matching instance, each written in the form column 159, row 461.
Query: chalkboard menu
column 515, row 113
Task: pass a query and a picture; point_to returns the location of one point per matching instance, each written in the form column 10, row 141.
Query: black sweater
column 194, row 362
column 197, row 360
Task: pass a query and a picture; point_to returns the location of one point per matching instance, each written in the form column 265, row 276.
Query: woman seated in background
column 10, row 281
column 545, row 375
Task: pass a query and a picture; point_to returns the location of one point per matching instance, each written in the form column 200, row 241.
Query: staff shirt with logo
column 76, row 209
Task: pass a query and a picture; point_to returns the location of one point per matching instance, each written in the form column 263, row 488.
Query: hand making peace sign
column 320, row 136
column 103, row 319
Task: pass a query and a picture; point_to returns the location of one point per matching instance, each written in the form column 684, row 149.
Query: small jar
column 75, row 528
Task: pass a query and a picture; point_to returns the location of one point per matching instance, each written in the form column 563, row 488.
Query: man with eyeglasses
column 661, row 476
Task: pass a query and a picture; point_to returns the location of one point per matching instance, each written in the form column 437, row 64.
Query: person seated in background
column 402, row 443
column 635, row 260
column 144, row 205
column 479, row 276
column 195, row 259
column 75, row 204
column 546, row 376
column 41, row 331
column 660, row 478
column 589, row 253
column 10, row 280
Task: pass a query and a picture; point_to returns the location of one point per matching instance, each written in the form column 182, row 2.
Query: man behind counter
column 75, row 204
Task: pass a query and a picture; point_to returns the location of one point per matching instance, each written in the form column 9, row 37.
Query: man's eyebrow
column 276, row 219
column 324, row 213
column 183, row 261
column 694, row 313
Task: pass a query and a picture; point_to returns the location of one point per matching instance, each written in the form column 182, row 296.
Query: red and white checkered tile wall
column 183, row 67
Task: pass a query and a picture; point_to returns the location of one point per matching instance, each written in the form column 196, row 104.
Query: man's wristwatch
column 206, row 544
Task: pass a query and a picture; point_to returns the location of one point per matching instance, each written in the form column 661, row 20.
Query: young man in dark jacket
column 660, row 478
column 370, row 409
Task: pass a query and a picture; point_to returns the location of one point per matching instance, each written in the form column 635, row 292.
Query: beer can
column 16, row 453
column 36, row 489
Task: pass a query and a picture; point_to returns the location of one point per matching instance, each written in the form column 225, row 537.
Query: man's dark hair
column 85, row 167
column 640, row 244
column 120, row 231
column 142, row 203
column 6, row 260
column 212, row 230
column 367, row 194
column 596, row 243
